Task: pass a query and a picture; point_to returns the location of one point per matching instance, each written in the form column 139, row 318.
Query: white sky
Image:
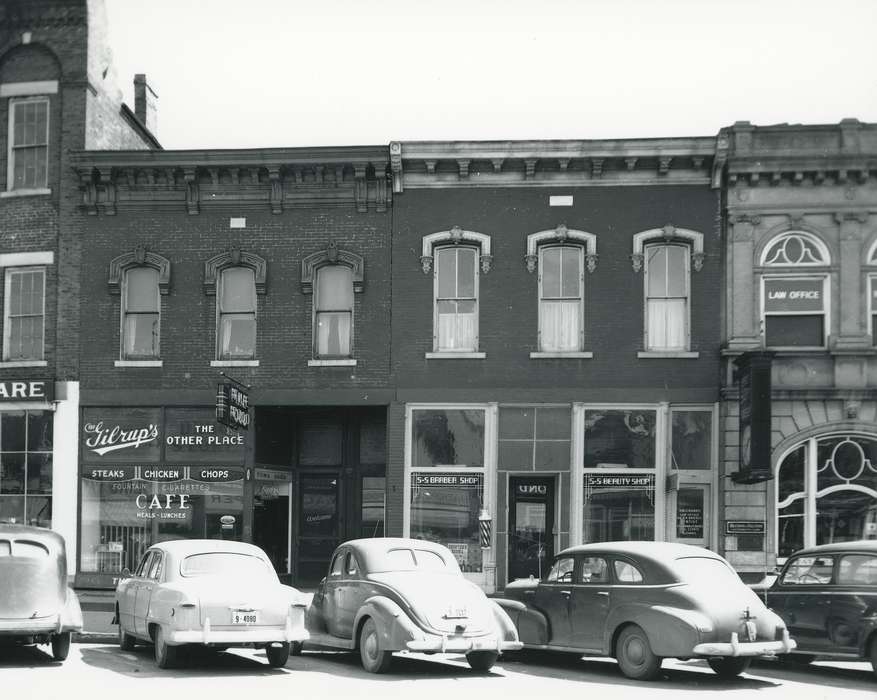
column 233, row 74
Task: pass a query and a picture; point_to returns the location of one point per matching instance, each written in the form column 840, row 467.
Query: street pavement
column 97, row 671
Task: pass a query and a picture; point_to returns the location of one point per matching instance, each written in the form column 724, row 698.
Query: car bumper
column 292, row 631
column 455, row 644
column 53, row 625
column 738, row 648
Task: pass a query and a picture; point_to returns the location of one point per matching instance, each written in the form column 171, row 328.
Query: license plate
column 244, row 617
column 456, row 613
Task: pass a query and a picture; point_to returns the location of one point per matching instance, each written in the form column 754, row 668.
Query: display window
column 26, row 467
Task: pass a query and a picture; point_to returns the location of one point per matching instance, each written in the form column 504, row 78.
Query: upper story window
column 459, row 258
column 236, row 314
column 667, row 254
column 333, row 312
column 794, row 306
column 141, row 314
column 28, row 143
column 24, row 314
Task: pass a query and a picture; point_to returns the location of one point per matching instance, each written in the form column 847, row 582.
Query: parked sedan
column 827, row 596
column 213, row 593
column 643, row 601
column 383, row 595
column 36, row 605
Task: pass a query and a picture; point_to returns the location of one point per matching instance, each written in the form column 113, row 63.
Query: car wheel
column 796, row 659
column 729, row 666
column 166, row 656
column 277, row 655
column 295, row 648
column 60, row 646
column 374, row 658
column 635, row 655
column 482, row 660
column 126, row 641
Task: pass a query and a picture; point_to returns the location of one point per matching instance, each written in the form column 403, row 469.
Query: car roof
column 372, row 551
column 184, row 548
column 661, row 551
column 853, row 546
column 43, row 534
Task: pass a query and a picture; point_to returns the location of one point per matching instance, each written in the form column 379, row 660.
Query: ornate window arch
column 455, row 236
column 561, row 235
column 139, row 257
column 235, row 257
column 332, row 255
column 668, row 234
column 795, row 249
column 871, row 257
column 235, row 277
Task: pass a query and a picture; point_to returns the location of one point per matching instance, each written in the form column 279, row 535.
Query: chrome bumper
column 292, row 631
column 50, row 625
column 457, row 644
column 737, row 648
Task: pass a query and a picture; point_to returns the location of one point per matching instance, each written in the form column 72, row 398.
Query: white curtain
column 456, row 331
column 333, row 334
column 560, row 326
column 666, row 324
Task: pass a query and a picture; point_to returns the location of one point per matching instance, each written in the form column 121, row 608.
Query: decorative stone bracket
column 668, row 234
column 561, row 234
column 456, row 236
column 331, row 256
column 139, row 257
column 234, row 257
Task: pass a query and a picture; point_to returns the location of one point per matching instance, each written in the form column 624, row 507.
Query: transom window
column 561, row 308
column 24, row 314
column 456, row 299
column 795, row 248
column 28, row 144
column 667, row 292
column 236, row 314
column 333, row 312
column 141, row 312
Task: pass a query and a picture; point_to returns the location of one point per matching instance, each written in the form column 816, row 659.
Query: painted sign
column 192, row 435
column 164, row 474
column 636, row 482
column 531, row 489
column 783, row 295
column 445, row 479
column 744, row 527
column 27, row 390
column 689, row 514
column 121, row 435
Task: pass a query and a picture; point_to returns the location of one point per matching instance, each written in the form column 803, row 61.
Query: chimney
column 144, row 102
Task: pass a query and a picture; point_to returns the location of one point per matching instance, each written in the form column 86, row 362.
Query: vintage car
column 827, row 597
column 213, row 593
column 36, row 605
column 642, row 601
column 385, row 594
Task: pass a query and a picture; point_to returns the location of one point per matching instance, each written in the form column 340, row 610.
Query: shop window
column 28, row 144
column 26, row 467
column 448, row 437
column 456, row 299
column 620, row 438
column 24, row 314
column 872, row 308
column 236, row 314
column 840, row 472
column 561, row 299
column 794, row 312
column 535, row 437
column 691, row 439
column 333, row 312
column 667, row 297
column 141, row 314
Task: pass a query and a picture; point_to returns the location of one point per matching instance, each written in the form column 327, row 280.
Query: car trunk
column 219, row 597
column 31, row 588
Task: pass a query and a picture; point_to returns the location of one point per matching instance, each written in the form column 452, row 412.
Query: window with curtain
column 667, row 285
column 456, row 299
column 560, row 299
column 24, row 314
column 333, row 312
column 236, row 309
column 141, row 313
column 29, row 144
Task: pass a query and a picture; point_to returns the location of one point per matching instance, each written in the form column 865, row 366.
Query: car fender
column 161, row 603
column 71, row 615
column 868, row 635
column 507, row 629
column 671, row 631
column 394, row 626
column 530, row 624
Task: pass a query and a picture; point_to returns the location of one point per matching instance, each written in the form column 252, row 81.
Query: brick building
column 801, row 280
column 57, row 93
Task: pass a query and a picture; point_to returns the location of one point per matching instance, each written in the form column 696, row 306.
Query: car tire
column 482, row 660
column 374, row 658
column 60, row 646
column 635, row 655
column 729, row 666
column 295, row 648
column 126, row 641
column 166, row 656
column 277, row 655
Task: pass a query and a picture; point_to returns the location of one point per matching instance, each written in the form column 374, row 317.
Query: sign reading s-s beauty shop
column 793, row 295
column 27, row 390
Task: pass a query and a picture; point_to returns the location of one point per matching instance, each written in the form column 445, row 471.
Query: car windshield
column 706, row 571
column 231, row 564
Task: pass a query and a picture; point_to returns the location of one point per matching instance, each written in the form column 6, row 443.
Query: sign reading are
column 791, row 295
column 27, row 390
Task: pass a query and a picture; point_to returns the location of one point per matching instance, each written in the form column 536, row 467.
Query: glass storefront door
column 531, row 526
column 618, row 507
column 271, row 512
column 319, row 525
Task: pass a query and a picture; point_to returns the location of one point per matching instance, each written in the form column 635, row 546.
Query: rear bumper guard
column 457, row 644
column 737, row 648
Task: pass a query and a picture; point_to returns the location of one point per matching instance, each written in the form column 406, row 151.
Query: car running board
column 327, row 641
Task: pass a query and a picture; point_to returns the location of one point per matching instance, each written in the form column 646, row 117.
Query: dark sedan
column 827, row 596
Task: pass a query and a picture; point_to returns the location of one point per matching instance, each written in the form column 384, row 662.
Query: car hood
column 445, row 602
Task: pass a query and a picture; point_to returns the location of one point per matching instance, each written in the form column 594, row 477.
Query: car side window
column 857, row 569
column 562, row 570
column 594, row 570
column 625, row 572
column 352, row 568
column 808, row 571
column 337, row 565
column 155, row 567
column 144, row 565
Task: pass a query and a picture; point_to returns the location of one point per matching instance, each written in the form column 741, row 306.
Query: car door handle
column 605, row 593
column 529, row 592
column 566, row 594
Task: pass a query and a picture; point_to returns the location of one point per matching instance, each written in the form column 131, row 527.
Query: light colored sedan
column 212, row 593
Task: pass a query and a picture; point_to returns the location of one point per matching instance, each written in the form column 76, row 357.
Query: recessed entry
column 560, row 200
column 237, row 222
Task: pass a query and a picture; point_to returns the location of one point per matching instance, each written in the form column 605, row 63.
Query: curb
column 95, row 638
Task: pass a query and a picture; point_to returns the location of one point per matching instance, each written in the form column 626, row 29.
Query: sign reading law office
column 787, row 295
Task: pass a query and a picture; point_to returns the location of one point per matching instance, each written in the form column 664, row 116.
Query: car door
column 127, row 595
column 134, row 588
column 552, row 598
column 333, row 590
column 144, row 594
column 589, row 603
column 853, row 598
column 351, row 596
column 801, row 596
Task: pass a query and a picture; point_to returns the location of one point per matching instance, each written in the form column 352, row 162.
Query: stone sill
column 24, row 363
column 561, row 355
column 332, row 363
column 671, row 355
column 455, row 355
column 137, row 363
column 26, row 192
column 234, row 363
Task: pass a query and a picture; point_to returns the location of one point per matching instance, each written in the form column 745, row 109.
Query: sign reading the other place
column 27, row 390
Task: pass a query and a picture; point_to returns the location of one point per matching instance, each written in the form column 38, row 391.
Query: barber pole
column 484, row 523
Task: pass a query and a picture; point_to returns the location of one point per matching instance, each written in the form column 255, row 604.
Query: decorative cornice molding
column 561, row 234
column 332, row 255
column 139, row 257
column 234, row 257
column 455, row 236
column 670, row 234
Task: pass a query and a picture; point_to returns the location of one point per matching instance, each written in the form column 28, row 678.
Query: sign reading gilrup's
column 102, row 438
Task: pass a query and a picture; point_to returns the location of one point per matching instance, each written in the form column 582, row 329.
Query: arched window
column 826, row 491
column 795, row 248
column 236, row 314
column 333, row 312
column 141, row 314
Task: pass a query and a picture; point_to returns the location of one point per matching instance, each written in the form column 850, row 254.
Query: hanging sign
column 753, row 384
column 233, row 405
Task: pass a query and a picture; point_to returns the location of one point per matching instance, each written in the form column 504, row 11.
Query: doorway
column 531, row 526
column 272, row 495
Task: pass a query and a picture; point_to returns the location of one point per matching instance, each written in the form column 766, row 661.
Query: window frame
column 220, row 282
column 7, row 325
column 11, row 147
column 437, row 253
column 871, row 288
column 685, row 246
column 580, row 252
column 825, row 277
column 124, row 314
column 315, row 312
